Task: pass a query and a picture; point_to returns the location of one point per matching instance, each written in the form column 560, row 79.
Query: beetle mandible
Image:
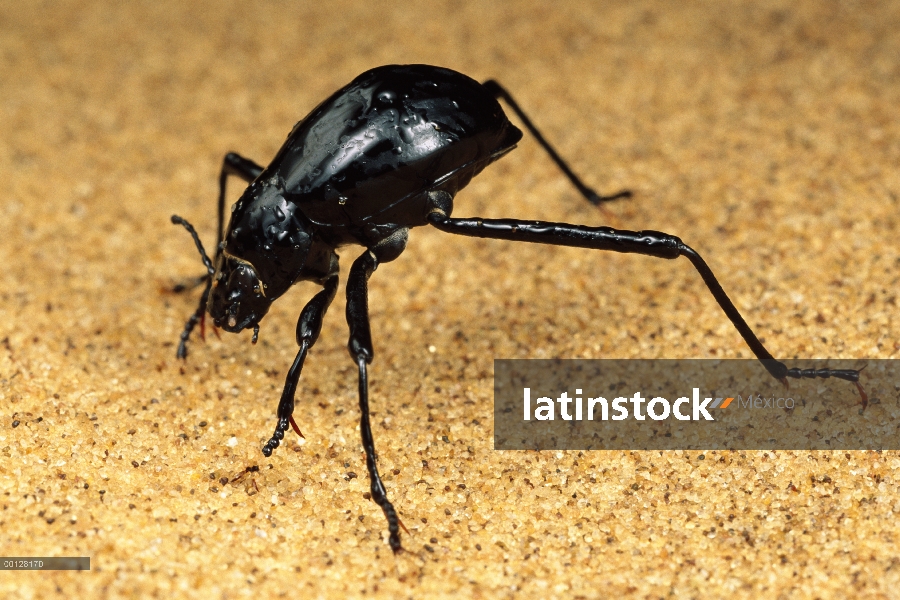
column 386, row 153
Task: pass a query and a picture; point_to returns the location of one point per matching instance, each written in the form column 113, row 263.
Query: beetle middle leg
column 308, row 327
column 360, row 346
column 648, row 243
column 590, row 195
column 232, row 164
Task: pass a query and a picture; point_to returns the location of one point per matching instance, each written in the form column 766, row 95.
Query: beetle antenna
column 206, row 262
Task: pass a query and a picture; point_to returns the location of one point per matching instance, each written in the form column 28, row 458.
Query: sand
column 764, row 134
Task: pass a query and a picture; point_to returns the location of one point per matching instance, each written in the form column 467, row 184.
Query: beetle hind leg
column 647, row 243
column 589, row 194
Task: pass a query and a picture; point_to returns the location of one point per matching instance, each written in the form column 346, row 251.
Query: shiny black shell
column 359, row 167
column 362, row 162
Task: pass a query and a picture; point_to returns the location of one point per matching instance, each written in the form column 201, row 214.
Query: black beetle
column 386, row 153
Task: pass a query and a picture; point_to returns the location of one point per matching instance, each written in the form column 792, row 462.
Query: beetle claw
column 294, row 426
column 864, row 398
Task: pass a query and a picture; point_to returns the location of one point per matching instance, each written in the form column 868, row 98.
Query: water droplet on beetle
column 342, row 200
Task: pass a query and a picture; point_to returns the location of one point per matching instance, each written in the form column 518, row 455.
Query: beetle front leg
column 308, row 328
column 193, row 320
column 360, row 346
column 232, row 164
column 197, row 317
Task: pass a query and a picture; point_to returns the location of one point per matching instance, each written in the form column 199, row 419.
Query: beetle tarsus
column 850, row 375
column 276, row 438
column 596, row 199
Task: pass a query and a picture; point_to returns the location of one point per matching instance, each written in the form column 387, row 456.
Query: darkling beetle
column 386, row 153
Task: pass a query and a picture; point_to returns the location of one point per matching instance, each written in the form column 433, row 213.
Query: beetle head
column 237, row 300
column 262, row 255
